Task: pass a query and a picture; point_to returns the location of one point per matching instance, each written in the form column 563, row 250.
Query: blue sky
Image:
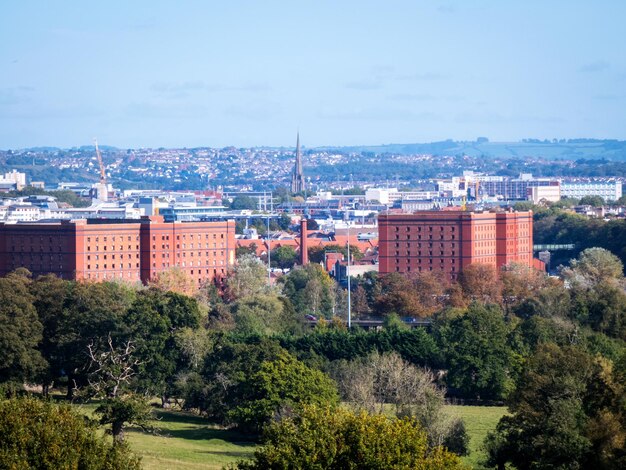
column 248, row 73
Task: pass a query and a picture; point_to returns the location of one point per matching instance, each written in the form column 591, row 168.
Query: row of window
column 121, row 255
column 430, row 228
column 113, row 238
column 430, row 253
column 191, row 236
column 430, row 237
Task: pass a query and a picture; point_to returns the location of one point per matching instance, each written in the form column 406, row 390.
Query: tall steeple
column 297, row 177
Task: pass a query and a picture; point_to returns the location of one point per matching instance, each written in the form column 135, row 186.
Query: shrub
column 337, row 439
column 39, row 434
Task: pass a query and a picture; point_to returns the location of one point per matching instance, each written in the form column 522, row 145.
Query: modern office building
column 131, row 250
column 452, row 240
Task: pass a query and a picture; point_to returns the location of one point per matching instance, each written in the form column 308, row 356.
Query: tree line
column 243, row 356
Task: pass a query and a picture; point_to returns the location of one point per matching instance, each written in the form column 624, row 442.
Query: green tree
column 593, row 266
column 284, row 256
column 595, row 201
column 39, row 434
column 249, row 250
column 317, row 253
column 151, row 324
column 49, row 296
column 566, row 412
column 247, row 277
column 263, row 314
column 112, row 369
column 91, row 312
column 244, row 202
column 476, row 350
column 280, row 385
column 338, row 439
column 310, row 290
column 220, row 385
column 20, row 332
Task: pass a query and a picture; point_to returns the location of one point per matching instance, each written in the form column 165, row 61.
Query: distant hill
column 571, row 149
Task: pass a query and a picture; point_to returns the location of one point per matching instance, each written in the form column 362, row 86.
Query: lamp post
column 348, row 273
column 269, row 241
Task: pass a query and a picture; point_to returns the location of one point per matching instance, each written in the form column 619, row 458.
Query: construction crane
column 103, row 176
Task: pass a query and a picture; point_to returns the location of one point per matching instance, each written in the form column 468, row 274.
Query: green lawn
column 479, row 420
column 185, row 441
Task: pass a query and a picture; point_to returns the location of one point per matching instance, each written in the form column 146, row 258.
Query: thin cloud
column 411, row 97
column 446, row 9
column 177, row 90
column 15, row 95
column 379, row 114
column 425, row 76
column 597, row 66
column 606, row 97
column 146, row 110
column 371, row 84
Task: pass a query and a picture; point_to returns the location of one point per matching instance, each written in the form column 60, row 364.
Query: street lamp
column 348, row 273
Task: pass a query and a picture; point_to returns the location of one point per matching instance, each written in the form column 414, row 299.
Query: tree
column 242, row 251
column 219, row 386
column 317, row 253
column 174, row 279
column 372, row 382
column 480, row 282
column 593, row 266
column 39, row 434
column 338, row 439
column 520, row 282
column 595, row 201
column 281, row 385
column 263, row 314
column 310, row 290
column 398, row 295
column 247, row 277
column 476, row 351
column 566, row 412
column 20, row 332
column 284, row 257
column 244, row 202
column 49, row 297
column 91, row 311
column 360, row 307
column 312, row 224
column 151, row 324
column 112, row 370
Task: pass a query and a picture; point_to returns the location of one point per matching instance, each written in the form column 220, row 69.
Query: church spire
column 297, row 177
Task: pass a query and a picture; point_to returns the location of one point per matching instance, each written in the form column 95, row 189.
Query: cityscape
column 331, row 236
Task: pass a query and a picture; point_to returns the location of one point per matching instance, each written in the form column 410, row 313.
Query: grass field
column 187, row 442
column 479, row 420
column 183, row 441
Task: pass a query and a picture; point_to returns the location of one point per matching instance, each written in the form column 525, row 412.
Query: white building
column 382, row 195
column 536, row 194
column 607, row 190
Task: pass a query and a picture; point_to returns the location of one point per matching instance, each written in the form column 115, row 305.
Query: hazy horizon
column 352, row 73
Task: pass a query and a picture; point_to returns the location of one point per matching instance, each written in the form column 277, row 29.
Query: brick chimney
column 304, row 243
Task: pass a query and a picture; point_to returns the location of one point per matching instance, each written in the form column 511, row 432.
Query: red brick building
column 451, row 240
column 129, row 250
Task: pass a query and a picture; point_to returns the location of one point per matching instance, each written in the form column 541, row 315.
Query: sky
column 343, row 72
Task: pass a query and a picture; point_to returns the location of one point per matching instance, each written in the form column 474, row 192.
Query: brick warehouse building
column 134, row 250
column 451, row 240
